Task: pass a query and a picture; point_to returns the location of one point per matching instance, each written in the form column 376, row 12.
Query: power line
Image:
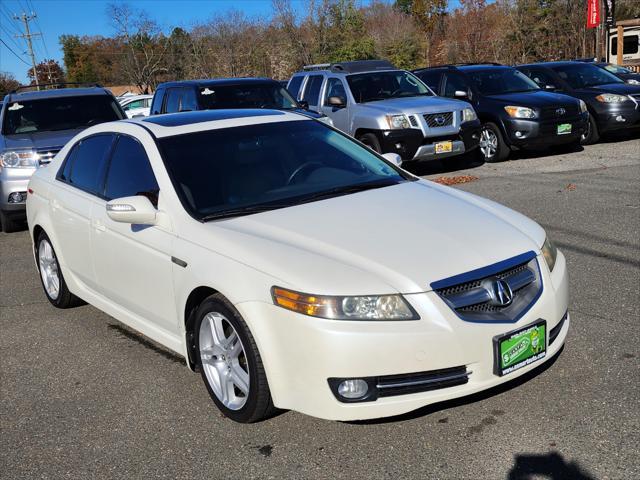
column 28, row 36
column 17, row 56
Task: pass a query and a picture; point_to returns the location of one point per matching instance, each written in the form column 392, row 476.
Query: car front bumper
column 302, row 353
column 617, row 116
column 14, row 180
column 535, row 133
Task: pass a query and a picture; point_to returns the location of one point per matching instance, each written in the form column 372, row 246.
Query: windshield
column 370, row 87
column 497, row 81
column 616, row 69
column 59, row 113
column 584, row 75
column 242, row 170
column 266, row 95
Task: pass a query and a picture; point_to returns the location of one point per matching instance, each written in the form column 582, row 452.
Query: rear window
column 265, row 95
column 60, row 113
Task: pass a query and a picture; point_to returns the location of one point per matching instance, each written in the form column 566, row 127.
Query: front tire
column 371, row 141
column 492, row 145
column 230, row 364
column 51, row 278
column 592, row 135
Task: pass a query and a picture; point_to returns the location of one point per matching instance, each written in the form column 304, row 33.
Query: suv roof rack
column 355, row 66
column 55, row 86
column 469, row 64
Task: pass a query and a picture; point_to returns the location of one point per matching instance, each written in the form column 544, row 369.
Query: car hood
column 535, row 99
column 414, row 105
column 38, row 140
column 394, row 239
column 619, row 88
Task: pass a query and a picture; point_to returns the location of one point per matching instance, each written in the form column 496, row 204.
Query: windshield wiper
column 239, row 212
column 346, row 189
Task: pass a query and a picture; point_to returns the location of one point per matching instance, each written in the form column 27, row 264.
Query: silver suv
column 388, row 109
column 35, row 126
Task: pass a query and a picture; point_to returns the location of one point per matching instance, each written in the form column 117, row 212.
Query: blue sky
column 88, row 17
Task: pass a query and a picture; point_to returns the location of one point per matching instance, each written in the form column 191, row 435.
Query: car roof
column 218, row 81
column 558, row 63
column 56, row 93
column 188, row 122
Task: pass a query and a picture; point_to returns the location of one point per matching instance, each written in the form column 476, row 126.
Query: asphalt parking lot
column 84, row 397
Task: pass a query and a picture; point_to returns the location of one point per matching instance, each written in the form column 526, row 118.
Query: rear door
column 78, row 185
column 311, row 93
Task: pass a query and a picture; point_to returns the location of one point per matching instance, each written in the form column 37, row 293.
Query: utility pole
column 28, row 35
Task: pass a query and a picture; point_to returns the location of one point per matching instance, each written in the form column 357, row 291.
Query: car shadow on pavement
column 551, row 465
column 458, row 402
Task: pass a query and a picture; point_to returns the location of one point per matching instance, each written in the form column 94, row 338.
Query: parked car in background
column 228, row 93
column 619, row 71
column 294, row 267
column 514, row 111
column 35, row 126
column 136, row 105
column 612, row 103
column 388, row 109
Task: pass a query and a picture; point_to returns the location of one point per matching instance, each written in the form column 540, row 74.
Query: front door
column 339, row 116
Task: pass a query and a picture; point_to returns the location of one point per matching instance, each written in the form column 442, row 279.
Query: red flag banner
column 593, row 13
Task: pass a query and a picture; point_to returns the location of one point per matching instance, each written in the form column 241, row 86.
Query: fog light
column 17, row 197
column 352, row 389
column 519, row 134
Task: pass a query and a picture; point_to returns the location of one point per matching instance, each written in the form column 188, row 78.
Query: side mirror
column 460, row 94
column 337, row 102
column 304, row 104
column 136, row 210
column 393, row 158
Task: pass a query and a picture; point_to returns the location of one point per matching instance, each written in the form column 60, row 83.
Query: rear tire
column 371, row 141
column 492, row 145
column 51, row 278
column 592, row 135
column 8, row 224
column 230, row 363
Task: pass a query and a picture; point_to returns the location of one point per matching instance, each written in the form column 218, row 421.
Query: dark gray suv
column 35, row 126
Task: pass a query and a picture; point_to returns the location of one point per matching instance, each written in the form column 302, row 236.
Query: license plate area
column 443, row 147
column 564, row 129
column 519, row 348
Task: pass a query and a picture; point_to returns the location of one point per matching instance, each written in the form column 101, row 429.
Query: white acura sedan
column 294, row 267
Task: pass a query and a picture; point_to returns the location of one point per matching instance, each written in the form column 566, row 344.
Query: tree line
column 409, row 33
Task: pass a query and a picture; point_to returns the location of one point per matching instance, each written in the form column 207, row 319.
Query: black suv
column 612, row 103
column 227, row 93
column 515, row 112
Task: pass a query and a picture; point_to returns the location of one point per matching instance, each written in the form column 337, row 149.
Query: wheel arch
column 194, row 299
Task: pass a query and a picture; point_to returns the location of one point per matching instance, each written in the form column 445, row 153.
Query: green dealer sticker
column 520, row 348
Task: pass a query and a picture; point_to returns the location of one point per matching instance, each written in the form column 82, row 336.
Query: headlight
column 611, row 98
column 633, row 81
column 520, row 112
column 370, row 307
column 583, row 106
column 549, row 252
column 469, row 115
column 19, row 159
column 398, row 121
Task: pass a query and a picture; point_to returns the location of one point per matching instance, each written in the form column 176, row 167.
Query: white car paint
column 397, row 239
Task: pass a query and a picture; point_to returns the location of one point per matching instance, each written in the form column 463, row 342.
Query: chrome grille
column 436, row 120
column 47, row 154
column 473, row 296
column 556, row 112
column 413, row 120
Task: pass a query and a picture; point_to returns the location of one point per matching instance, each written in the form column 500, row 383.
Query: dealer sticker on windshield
column 520, row 348
column 564, row 129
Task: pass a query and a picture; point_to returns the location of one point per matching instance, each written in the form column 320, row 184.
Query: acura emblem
column 560, row 112
column 500, row 291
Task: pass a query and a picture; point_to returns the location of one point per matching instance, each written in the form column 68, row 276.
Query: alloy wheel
column 49, row 270
column 488, row 143
column 224, row 360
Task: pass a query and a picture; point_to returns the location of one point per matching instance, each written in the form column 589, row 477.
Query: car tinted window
column 247, row 95
column 173, row 100
column 59, row 113
column 188, row 100
column 496, row 81
column 312, row 89
column 539, row 76
column 156, row 105
column 454, row 83
column 134, row 104
column 63, row 173
column 582, row 75
column 87, row 165
column 130, row 172
column 432, row 79
column 370, row 87
column 294, row 85
column 630, row 44
column 282, row 163
column 335, row 88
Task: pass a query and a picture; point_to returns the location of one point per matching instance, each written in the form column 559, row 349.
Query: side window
column 335, row 88
column 156, row 105
column 453, row 84
column 132, row 105
column 541, row 77
column 86, row 169
column 63, row 173
column 312, row 89
column 294, row 85
column 188, row 100
column 130, row 172
column 173, row 100
column 432, row 79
